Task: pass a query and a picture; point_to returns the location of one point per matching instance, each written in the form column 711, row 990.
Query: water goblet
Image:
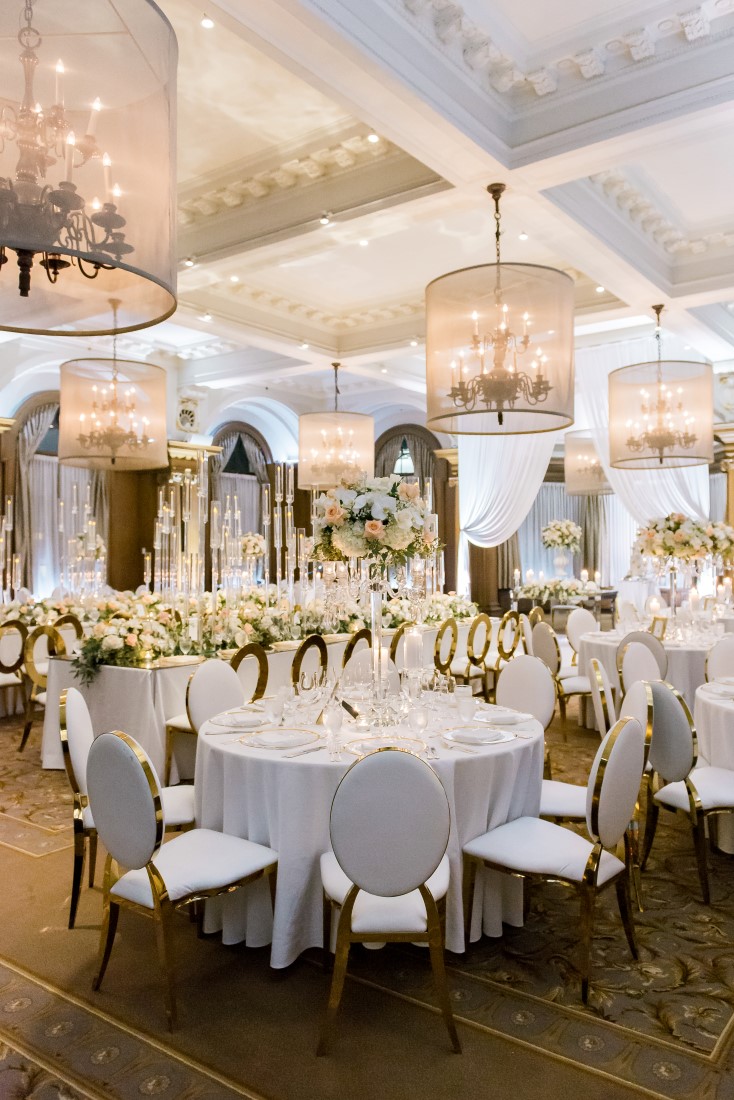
column 185, row 643
column 418, row 720
column 273, row 707
column 466, row 708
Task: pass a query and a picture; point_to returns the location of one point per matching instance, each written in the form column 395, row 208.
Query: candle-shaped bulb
column 106, row 168
column 59, row 83
column 69, row 162
column 93, row 116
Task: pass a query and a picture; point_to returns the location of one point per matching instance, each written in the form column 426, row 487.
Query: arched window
column 404, row 464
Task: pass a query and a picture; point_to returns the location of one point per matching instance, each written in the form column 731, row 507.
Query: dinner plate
column 365, row 745
column 502, row 716
column 284, row 646
column 238, row 720
column 470, row 736
column 282, row 738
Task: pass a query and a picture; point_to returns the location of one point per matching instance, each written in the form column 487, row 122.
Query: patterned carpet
column 664, row 1025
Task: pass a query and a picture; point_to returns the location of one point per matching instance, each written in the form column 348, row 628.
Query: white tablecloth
column 140, row 701
column 685, row 661
column 714, row 719
column 285, row 804
column 636, row 591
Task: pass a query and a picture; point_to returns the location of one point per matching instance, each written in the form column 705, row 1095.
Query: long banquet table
column 263, row 796
column 140, row 701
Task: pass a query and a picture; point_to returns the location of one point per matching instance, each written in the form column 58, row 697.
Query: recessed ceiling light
column 363, row 244
column 414, row 343
column 189, row 261
column 325, row 219
column 600, row 290
column 522, row 236
column 373, row 138
column 383, row 370
column 234, row 278
column 551, row 332
column 206, row 316
column 304, row 347
column 206, row 22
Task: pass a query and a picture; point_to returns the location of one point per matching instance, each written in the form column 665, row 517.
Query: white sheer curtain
column 618, row 532
column 499, row 478
column 644, row 493
column 245, row 490
column 48, row 483
column 717, row 489
column 552, row 502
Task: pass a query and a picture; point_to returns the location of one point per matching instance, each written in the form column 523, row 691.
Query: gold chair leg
column 341, row 958
column 562, row 712
column 698, row 829
column 107, row 938
column 588, row 896
column 164, row 959
column 435, row 946
column 78, row 872
column 625, row 911
column 326, row 940
column 28, row 714
column 632, row 857
column 547, row 765
column 651, row 824
column 92, row 858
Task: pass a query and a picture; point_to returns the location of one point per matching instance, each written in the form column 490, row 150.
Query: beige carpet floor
column 662, row 1027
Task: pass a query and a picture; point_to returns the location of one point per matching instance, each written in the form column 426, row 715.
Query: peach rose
column 408, row 490
column 334, row 514
column 374, row 529
column 131, row 640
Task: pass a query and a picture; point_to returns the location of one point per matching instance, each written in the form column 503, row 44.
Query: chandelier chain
column 337, row 391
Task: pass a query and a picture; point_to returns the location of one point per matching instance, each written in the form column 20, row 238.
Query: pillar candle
column 413, row 654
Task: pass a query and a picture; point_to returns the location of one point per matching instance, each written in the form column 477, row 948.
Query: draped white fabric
column 618, row 532
column 552, row 502
column 29, row 440
column 48, row 484
column 717, row 489
column 499, row 478
column 244, row 489
column 645, row 493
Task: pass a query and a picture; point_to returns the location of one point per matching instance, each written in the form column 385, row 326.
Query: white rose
column 111, row 643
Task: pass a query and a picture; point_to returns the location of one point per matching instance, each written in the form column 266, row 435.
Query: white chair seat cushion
column 371, row 913
column 194, row 862
column 576, row 685
column 543, row 848
column 180, row 722
column 460, row 667
column 178, row 804
column 562, row 800
column 9, row 679
column 40, row 698
column 715, row 787
column 178, row 807
column 566, row 671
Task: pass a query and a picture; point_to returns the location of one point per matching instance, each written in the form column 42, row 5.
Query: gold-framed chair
column 313, row 641
column 396, row 640
column 363, row 635
column 508, row 639
column 475, row 668
column 216, row 689
column 441, row 663
column 11, row 676
column 540, row 850
column 35, row 681
column 254, row 649
column 568, row 684
column 394, row 898
column 535, row 614
column 198, row 864
column 71, row 621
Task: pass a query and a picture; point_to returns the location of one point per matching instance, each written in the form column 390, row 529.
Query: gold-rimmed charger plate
column 363, row 746
column 284, row 737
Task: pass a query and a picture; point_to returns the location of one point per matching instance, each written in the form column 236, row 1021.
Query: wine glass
column 466, row 707
column 185, row 643
column 273, row 707
column 418, row 719
column 333, row 718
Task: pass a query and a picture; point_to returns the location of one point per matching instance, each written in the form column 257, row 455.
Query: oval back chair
column 256, row 651
column 441, row 658
column 49, row 642
column 312, row 642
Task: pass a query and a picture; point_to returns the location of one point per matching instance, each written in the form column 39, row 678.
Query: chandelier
column 661, row 413
column 583, row 472
column 499, row 346
column 334, row 447
column 86, row 182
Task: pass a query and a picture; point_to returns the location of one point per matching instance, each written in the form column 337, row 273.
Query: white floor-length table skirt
column 686, row 662
column 285, row 803
column 713, row 716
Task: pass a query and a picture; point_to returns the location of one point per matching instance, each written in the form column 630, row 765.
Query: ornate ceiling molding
column 321, row 318
column 641, row 212
column 448, row 24
column 329, row 161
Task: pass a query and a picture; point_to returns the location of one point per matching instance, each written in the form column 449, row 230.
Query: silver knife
column 301, row 752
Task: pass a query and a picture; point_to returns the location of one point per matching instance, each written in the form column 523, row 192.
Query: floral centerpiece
column 253, row 545
column 84, row 551
column 383, row 518
column 563, row 589
column 125, row 642
column 676, row 538
column 562, row 534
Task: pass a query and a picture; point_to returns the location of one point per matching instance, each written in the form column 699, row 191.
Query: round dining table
column 713, row 716
column 284, row 801
column 686, row 660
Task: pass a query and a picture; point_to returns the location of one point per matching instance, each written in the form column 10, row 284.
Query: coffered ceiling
column 611, row 123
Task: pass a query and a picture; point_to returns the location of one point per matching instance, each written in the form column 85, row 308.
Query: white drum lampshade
column 87, row 210
column 583, row 472
column 334, row 446
column 113, row 415
column 661, row 414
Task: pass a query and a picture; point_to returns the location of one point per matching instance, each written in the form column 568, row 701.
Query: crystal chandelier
column 334, row 447
column 61, row 204
column 500, row 346
column 661, row 413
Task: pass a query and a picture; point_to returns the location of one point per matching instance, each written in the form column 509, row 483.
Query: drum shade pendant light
column 87, row 150
column 661, row 413
column 334, row 446
column 583, row 472
column 499, row 347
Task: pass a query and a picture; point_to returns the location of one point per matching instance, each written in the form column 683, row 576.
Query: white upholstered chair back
column 79, row 735
column 527, row 684
column 720, row 658
column 124, row 794
column 673, row 748
column 614, row 782
column 638, row 663
column 602, row 696
column 580, row 621
column 527, row 634
column 653, row 644
column 637, row 703
column 389, row 823
column 213, row 688
column 545, row 646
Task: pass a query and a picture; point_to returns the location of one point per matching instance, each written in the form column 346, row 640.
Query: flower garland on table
column 253, row 545
column 381, row 517
column 125, row 642
column 562, row 533
column 678, row 538
column 563, row 589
